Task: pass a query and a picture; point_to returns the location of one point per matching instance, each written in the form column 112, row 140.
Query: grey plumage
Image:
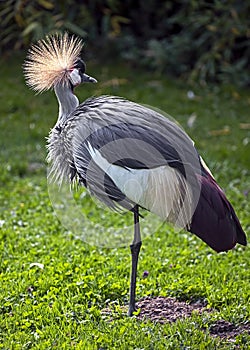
column 122, row 131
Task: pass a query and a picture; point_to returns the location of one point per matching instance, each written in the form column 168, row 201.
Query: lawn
column 55, row 286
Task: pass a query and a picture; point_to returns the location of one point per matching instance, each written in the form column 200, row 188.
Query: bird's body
column 128, row 154
column 113, row 138
column 129, row 157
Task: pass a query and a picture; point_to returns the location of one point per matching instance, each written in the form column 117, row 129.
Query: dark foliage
column 201, row 40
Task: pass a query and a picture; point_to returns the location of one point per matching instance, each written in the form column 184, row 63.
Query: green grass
column 59, row 306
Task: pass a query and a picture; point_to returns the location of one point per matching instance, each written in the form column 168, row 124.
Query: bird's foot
column 131, row 310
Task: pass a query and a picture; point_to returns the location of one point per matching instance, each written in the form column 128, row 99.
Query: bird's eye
column 81, row 66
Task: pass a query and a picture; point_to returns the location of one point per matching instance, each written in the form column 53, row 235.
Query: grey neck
column 67, row 101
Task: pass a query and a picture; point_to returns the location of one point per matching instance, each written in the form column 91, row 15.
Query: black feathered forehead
column 80, row 64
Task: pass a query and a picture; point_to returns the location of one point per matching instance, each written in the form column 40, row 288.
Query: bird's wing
column 133, row 135
column 128, row 160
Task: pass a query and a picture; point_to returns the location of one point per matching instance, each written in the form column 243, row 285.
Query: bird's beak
column 87, row 79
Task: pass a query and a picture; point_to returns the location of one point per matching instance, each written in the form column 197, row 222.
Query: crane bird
column 127, row 155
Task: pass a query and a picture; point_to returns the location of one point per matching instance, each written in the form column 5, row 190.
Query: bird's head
column 54, row 62
column 78, row 76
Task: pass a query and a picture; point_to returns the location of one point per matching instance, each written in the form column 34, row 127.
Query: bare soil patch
column 164, row 309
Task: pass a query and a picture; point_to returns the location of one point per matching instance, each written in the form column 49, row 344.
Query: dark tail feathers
column 214, row 219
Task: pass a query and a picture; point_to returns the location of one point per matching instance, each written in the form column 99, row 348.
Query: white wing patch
column 162, row 190
column 206, row 167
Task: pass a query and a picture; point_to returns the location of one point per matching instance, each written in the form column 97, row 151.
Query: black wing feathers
column 143, row 147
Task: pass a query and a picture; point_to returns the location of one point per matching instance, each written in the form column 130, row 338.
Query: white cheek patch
column 75, row 77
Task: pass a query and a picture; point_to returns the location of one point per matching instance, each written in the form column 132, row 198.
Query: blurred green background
column 201, row 41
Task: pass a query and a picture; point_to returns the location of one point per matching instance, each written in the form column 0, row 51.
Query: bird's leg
column 135, row 250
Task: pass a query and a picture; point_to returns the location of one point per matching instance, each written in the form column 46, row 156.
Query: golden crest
column 50, row 61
